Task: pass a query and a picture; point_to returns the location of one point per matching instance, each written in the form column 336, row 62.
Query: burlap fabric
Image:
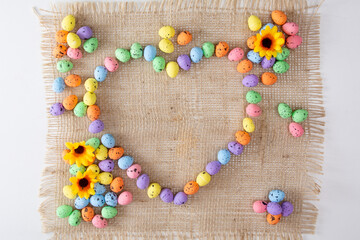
column 174, row 127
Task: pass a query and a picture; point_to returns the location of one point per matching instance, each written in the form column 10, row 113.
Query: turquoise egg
column 100, row 73
column 58, row 85
column 125, row 162
column 196, row 54
column 254, row 57
column 149, row 53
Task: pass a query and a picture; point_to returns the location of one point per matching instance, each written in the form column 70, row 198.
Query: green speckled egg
column 158, row 64
column 283, row 55
column 208, row 49
column 253, row 97
column 63, row 211
column 108, row 212
column 122, row 54
column 75, row 218
column 94, row 142
column 74, row 169
column 281, row 67
column 64, row 66
column 299, row 115
column 136, row 50
column 284, row 110
column 80, row 109
column 91, row 45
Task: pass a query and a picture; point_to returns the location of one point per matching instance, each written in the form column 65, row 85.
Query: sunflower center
column 83, row 182
column 266, row 42
column 80, row 150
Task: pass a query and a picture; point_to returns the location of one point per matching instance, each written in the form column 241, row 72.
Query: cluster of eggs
column 297, row 116
column 106, row 189
column 274, row 209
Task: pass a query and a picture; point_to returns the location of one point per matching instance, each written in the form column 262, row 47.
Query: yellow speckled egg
column 91, row 84
column 89, row 98
column 73, row 40
column 248, row 125
column 167, row 32
column 172, row 69
column 67, row 190
column 166, row 46
column 101, row 153
column 203, row 178
column 68, row 23
column 254, row 23
column 94, row 168
column 105, row 178
column 154, row 190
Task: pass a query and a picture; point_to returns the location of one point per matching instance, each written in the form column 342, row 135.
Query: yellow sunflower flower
column 83, row 184
column 269, row 42
column 80, row 154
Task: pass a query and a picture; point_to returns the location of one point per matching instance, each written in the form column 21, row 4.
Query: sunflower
column 269, row 42
column 83, row 184
column 80, row 154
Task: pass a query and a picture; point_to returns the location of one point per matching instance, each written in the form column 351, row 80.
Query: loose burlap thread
column 174, row 127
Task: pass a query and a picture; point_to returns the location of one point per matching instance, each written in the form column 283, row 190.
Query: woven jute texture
column 174, row 127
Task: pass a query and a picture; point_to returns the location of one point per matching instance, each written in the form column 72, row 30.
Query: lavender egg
column 57, row 109
column 274, row 208
column 143, row 181
column 180, row 198
column 250, row 80
column 166, row 195
column 184, row 62
column 96, row 126
column 213, row 167
column 107, row 165
column 84, row 32
column 287, row 208
column 235, row 148
column 267, row 63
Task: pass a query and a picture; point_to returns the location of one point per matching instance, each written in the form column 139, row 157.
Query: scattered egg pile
column 297, row 116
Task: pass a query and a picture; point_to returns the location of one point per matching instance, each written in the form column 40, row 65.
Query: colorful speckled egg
column 117, row 185
column 293, row 42
column 59, row 51
column 166, row 46
column 253, row 110
column 64, row 211
column 273, row 219
column 80, row 109
column 268, row 78
column 154, row 190
column 191, row 187
column 136, row 50
column 64, row 66
column 236, row 54
column 248, row 125
column 203, row 178
column 133, row 171
column 285, row 52
column 184, row 62
column 111, row 199
column 60, row 36
column 73, row 80
column 101, row 152
column 80, row 203
column 254, row 23
column 172, row 69
column 91, row 45
column 251, row 42
column 93, row 168
column 253, row 97
column 125, row 162
column 235, row 148
column 244, row 66
column 287, row 209
column 116, row 153
column 99, row 188
column 213, row 167
column 284, row 110
column 250, row 80
column 208, row 49
column 125, row 198
column 296, row 129
column 75, row 218
column 96, row 126
column 276, row 196
column 109, row 212
column 67, row 191
column 143, row 181
column 111, row 64
column 290, row 28
column 57, row 109
column 74, row 53
column 99, row 222
column 123, row 55
column 58, row 85
column 166, row 195
column 299, row 115
column 184, row 38
column 223, row 156
column 87, row 214
column 180, row 198
column 158, row 64
column 94, row 142
column 242, row 137
column 259, row 206
column 84, row 33
column 274, row 208
column 106, row 165
column 68, row 23
column 281, row 67
column 278, row 17
column 108, row 140
column 167, row 32
column 91, row 84
column 221, row 49
column 93, row 112
column 73, row 40
column 254, row 57
column 74, row 169
column 149, row 53
column 196, row 54
column 105, row 178
column 267, row 63
column 100, row 73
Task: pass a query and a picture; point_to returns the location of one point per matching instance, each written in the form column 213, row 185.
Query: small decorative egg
column 184, row 38
column 242, row 137
column 111, row 64
column 64, row 66
column 154, row 190
column 254, row 23
column 296, row 129
column 224, row 156
column 68, row 23
column 276, row 196
column 253, row 110
column 123, row 55
column 180, row 198
column 59, row 51
column 64, row 211
column 251, row 42
column 106, row 165
column 73, row 40
column 213, row 167
column 60, row 36
column 99, row 188
column 221, row 49
column 133, row 171
column 254, row 57
column 136, row 50
column 74, row 53
column 172, row 69
column 244, row 66
column 74, row 169
column 293, row 42
column 274, row 208
column 101, row 153
column 105, row 178
column 87, row 214
column 93, row 112
column 58, row 85
column 290, row 28
column 96, row 126
column 116, row 153
column 117, row 185
column 191, row 188
column 268, row 24
column 91, row 85
column 149, row 53
column 100, row 73
column 125, row 198
column 248, row 125
column 158, row 64
column 80, row 203
column 97, row 200
column 167, row 32
column 80, row 109
column 235, row 148
column 91, row 45
column 299, row 115
column 57, row 109
column 108, row 140
column 84, row 32
column 125, row 162
column 259, row 206
column 208, row 49
column 166, row 195
column 196, row 54
column 166, row 46
column 265, row 63
column 287, row 209
column 111, row 199
column 109, row 212
column 250, row 80
column 284, row 110
column 67, row 190
column 253, row 97
column 143, row 181
column 273, row 219
column 236, row 54
column 283, row 55
column 268, row 78
column 184, row 62
column 94, row 142
column 73, row 80
column 95, row 169
column 99, row 222
column 75, row 218
column 203, row 178
column 278, row 17
column 281, row 67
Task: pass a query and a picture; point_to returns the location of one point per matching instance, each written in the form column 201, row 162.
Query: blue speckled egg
column 106, row 165
column 80, row 203
column 97, row 200
column 58, row 85
column 254, row 57
column 149, row 53
column 196, row 54
column 268, row 24
column 276, row 195
column 143, row 181
column 224, row 156
column 100, row 73
column 125, row 162
column 108, row 140
column 111, row 199
column 99, row 188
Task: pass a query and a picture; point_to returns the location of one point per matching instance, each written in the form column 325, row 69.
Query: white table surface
column 23, row 120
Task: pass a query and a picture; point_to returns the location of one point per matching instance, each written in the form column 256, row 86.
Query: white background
column 23, row 120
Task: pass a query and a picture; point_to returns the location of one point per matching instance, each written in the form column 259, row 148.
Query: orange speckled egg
column 242, row 137
column 251, row 42
column 244, row 66
column 278, row 17
column 273, row 219
column 117, row 185
column 221, row 49
column 93, row 112
column 87, row 214
column 64, row 152
column 191, row 188
column 59, row 51
column 268, row 78
column 73, row 80
column 61, row 36
column 116, row 153
column 70, row 102
column 184, row 38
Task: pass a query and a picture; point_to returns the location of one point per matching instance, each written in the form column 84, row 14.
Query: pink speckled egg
column 125, row 198
column 253, row 110
column 293, row 41
column 296, row 129
column 99, row 222
column 236, row 54
column 111, row 64
column 260, row 206
column 74, row 53
column 133, row 171
column 290, row 28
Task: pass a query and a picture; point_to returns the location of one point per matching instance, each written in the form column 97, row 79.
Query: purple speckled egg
column 235, row 148
column 267, row 63
column 180, row 198
column 143, row 181
column 84, row 32
column 184, row 62
column 274, row 208
column 287, row 208
column 213, row 167
column 107, row 165
column 250, row 80
column 57, row 109
column 166, row 195
column 96, row 126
